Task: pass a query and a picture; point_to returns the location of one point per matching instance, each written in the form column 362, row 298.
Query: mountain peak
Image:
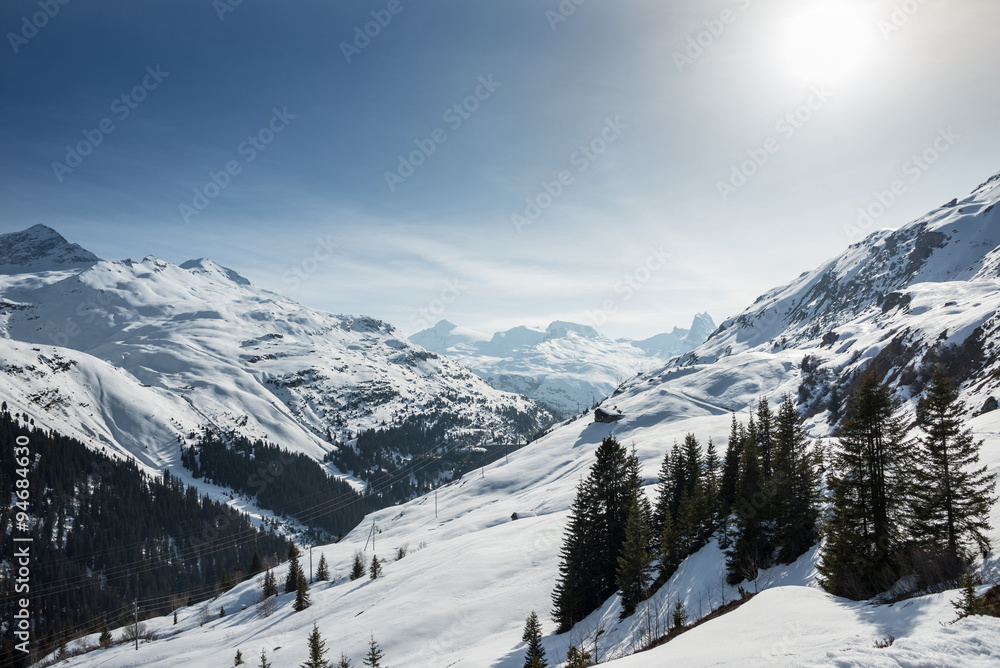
column 560, row 328
column 206, row 266
column 41, row 248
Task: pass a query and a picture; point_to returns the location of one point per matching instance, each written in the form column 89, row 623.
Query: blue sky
column 611, row 119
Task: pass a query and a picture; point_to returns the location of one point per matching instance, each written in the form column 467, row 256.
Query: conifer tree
column 678, row 617
column 358, row 569
column 578, row 658
column 292, row 578
column 632, row 576
column 344, row 661
column 255, row 564
column 105, row 639
column 238, row 661
column 712, row 479
column 375, row 569
column 374, row 657
column 750, row 550
column 301, row 593
column 317, row 650
column 870, row 483
column 795, row 486
column 731, row 466
column 264, row 663
column 765, row 438
column 535, row 657
column 671, row 552
column 968, row 603
column 953, row 495
column 664, row 485
column 595, row 535
column 269, row 587
column 323, row 570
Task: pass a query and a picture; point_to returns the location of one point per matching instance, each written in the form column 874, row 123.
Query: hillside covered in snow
column 140, row 358
column 469, row 573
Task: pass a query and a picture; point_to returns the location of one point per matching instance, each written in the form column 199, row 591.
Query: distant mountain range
column 566, row 366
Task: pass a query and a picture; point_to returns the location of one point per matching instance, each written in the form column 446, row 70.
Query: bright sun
column 826, row 42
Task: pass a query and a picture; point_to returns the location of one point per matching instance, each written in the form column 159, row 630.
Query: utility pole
column 310, row 563
column 435, row 504
column 137, row 624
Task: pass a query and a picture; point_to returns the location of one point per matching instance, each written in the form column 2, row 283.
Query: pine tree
column 317, row 650
column 535, row 657
column 222, row 612
column 375, row 569
column 269, row 587
column 678, row 617
column 255, row 564
column 344, row 661
column 731, row 467
column 292, row 578
column 175, row 619
column 105, row 639
column 795, row 486
column 870, row 484
column 632, row 576
column 664, row 490
column 301, row 593
column 750, row 550
column 323, row 570
column 595, row 535
column 374, row 657
column 968, row 603
column 765, row 438
column 671, row 552
column 238, row 661
column 358, row 569
column 952, row 494
column 264, row 663
column 578, row 658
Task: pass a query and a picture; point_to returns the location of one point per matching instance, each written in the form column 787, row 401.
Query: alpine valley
column 155, row 363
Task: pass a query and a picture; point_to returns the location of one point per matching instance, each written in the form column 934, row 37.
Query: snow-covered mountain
column 40, row 248
column 141, row 356
column 472, row 574
column 566, row 366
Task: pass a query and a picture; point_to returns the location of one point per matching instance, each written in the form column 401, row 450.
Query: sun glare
column 826, row 42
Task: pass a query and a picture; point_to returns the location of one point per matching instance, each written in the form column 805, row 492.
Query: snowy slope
column 141, row 355
column 566, row 366
column 460, row 596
